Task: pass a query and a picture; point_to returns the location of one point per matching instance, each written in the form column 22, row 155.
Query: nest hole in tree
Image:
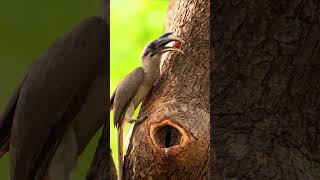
column 167, row 136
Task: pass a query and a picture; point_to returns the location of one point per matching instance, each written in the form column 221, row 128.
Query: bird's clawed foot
column 137, row 120
column 131, row 121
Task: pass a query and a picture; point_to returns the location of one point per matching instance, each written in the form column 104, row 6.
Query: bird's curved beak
column 163, row 41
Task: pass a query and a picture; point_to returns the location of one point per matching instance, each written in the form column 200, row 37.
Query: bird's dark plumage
column 6, row 120
column 112, row 99
column 52, row 95
column 132, row 80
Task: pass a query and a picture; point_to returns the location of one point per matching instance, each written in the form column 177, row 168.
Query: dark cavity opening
column 167, row 136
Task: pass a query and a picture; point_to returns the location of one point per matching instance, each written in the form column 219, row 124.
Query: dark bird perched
column 59, row 105
column 136, row 85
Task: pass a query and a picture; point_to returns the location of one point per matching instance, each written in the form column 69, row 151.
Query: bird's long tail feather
column 120, row 150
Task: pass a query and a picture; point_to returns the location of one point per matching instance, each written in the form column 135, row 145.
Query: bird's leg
column 129, row 114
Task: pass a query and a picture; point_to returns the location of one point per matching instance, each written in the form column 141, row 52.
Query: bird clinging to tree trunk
column 136, row 85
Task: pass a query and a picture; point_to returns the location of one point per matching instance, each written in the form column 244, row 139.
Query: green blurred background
column 27, row 28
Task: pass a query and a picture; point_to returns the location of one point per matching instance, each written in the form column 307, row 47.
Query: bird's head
column 159, row 46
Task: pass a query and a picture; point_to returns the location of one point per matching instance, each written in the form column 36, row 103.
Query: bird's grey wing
column 53, row 94
column 125, row 93
column 112, row 99
column 6, row 120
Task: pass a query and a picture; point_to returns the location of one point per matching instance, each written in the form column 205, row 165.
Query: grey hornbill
column 59, row 105
column 136, row 85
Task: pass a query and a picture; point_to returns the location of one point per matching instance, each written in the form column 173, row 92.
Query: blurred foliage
column 27, row 28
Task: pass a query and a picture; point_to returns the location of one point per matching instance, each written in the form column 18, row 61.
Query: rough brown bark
column 177, row 109
column 170, row 15
column 266, row 89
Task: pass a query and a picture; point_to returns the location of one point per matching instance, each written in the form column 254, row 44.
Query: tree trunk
column 170, row 15
column 266, row 87
column 173, row 141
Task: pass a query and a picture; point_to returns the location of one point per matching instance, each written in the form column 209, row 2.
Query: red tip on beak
column 177, row 44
